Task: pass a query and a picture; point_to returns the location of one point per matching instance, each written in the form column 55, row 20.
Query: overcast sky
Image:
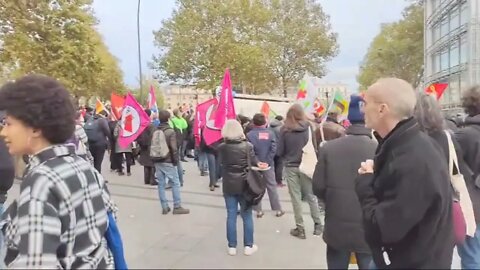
column 356, row 22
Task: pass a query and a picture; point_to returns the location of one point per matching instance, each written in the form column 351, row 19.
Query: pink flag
column 201, row 117
column 134, row 121
column 226, row 107
column 152, row 100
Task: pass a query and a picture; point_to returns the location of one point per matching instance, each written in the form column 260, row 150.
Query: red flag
column 201, row 118
column 134, row 121
column 436, row 89
column 226, row 107
column 117, row 102
column 265, row 110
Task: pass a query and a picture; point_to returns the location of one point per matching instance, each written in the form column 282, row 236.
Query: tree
column 57, row 38
column 264, row 43
column 397, row 51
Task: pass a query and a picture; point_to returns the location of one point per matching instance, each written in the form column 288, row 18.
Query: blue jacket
column 264, row 144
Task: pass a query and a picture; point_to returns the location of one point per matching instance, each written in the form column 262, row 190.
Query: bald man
column 405, row 192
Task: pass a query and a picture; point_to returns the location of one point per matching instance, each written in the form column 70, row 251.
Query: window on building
column 454, row 54
column 444, row 63
column 454, row 19
column 436, row 62
column 463, row 50
column 436, row 32
column 454, row 89
column 464, row 16
column 464, row 83
column 444, row 27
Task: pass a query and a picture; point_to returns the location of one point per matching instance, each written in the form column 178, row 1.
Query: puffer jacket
column 233, row 160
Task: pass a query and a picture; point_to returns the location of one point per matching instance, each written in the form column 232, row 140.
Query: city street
column 198, row 240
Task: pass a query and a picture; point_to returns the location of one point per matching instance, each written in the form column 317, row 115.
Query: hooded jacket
column 292, row 141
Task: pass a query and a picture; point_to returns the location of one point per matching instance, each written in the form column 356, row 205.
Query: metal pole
column 139, row 52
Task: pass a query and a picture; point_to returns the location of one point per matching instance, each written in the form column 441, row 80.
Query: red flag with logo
column 226, row 107
column 436, row 89
column 134, row 121
column 117, row 102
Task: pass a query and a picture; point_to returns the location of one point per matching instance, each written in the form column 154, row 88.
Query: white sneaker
column 250, row 250
column 232, row 251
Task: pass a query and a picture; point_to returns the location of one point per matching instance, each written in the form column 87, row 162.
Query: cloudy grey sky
column 355, row 21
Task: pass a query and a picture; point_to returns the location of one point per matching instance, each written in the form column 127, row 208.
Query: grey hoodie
column 291, row 143
column 275, row 126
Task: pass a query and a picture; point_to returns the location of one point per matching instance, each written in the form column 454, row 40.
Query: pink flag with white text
column 134, row 121
column 226, row 107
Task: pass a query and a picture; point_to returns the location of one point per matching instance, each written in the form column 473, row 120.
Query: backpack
column 159, row 148
column 93, row 131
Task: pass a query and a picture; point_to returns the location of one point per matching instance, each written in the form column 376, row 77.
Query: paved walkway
column 198, row 240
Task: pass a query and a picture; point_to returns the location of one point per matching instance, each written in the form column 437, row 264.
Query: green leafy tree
column 204, row 37
column 397, row 51
column 57, row 38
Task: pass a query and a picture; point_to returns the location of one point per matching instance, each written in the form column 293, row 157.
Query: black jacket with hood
column 7, row 171
column 292, row 141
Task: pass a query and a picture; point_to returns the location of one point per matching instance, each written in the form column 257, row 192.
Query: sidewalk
column 198, row 240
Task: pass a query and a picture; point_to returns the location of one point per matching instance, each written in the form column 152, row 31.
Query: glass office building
column 452, row 39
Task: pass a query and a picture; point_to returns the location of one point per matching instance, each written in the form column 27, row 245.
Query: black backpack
column 93, row 130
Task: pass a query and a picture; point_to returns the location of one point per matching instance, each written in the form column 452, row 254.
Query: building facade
column 452, row 47
column 184, row 96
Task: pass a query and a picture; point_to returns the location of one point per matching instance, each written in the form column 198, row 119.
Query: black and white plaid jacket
column 60, row 218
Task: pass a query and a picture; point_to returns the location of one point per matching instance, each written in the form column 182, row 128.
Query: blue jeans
column 212, row 168
column 339, row 259
column 180, row 170
column 469, row 251
column 164, row 171
column 202, row 161
column 232, row 202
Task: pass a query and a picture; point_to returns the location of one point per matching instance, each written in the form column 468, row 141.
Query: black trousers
column 149, row 175
column 278, row 169
column 98, row 152
column 128, row 161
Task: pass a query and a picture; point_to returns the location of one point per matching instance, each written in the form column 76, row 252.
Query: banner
column 117, row 102
column 99, row 107
column 308, row 92
column 134, row 121
column 436, row 89
column 226, row 107
column 152, row 100
column 201, row 118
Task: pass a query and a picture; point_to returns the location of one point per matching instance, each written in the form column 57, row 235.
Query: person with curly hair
column 469, row 140
column 60, row 218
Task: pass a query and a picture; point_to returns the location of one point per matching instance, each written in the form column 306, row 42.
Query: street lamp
column 139, row 51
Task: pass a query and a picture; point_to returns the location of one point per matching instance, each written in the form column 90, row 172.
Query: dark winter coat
column 233, row 160
column 290, row 146
column 334, row 184
column 276, row 126
column 469, row 141
column 264, row 143
column 407, row 202
column 7, row 171
column 144, row 141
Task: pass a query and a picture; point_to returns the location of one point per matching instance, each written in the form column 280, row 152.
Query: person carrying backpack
column 164, row 154
column 98, row 134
